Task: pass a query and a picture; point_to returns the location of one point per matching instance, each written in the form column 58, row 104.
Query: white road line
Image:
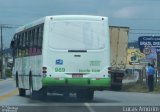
column 90, row 109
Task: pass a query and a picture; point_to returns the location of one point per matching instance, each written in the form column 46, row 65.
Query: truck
column 119, row 46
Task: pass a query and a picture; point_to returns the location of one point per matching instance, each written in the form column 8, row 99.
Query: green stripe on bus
column 104, row 82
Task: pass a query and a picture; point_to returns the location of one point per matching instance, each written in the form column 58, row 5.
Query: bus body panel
column 87, row 68
column 24, row 66
column 63, row 64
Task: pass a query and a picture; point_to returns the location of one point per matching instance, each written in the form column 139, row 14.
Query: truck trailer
column 119, row 46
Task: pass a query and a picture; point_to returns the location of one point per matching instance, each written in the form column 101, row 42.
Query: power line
column 11, row 25
column 143, row 33
column 145, row 29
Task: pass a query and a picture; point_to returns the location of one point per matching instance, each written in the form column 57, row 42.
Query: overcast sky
column 136, row 14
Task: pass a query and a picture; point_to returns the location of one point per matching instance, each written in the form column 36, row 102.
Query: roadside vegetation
column 142, row 88
column 8, row 74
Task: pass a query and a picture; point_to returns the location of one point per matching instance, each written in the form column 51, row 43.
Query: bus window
column 29, row 44
column 26, row 44
column 33, row 42
column 16, row 45
column 13, row 45
column 36, row 40
column 23, row 45
column 19, row 44
column 40, row 36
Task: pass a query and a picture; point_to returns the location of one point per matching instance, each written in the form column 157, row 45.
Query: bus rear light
column 44, row 70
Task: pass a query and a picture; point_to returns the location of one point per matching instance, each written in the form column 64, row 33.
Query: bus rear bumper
column 96, row 84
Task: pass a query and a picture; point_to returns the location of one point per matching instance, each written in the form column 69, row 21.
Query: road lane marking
column 12, row 93
column 90, row 109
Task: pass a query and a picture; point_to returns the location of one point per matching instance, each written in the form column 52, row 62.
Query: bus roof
column 59, row 17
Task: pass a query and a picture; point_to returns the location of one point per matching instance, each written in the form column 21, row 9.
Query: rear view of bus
column 76, row 55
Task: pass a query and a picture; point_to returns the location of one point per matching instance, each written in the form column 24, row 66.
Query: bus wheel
column 79, row 95
column 17, row 83
column 35, row 94
column 89, row 94
column 22, row 92
column 31, row 85
column 85, row 94
column 42, row 92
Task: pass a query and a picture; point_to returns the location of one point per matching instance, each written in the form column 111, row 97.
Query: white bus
column 62, row 54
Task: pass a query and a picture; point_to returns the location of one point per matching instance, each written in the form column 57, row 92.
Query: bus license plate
column 77, row 75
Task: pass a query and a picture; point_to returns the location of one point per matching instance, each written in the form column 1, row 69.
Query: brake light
column 109, row 70
column 44, row 70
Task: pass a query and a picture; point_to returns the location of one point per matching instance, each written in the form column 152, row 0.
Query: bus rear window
column 77, row 35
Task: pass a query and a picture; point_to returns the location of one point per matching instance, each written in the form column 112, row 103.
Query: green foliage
column 8, row 73
column 142, row 88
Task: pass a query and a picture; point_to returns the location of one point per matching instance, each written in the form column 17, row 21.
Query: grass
column 142, row 88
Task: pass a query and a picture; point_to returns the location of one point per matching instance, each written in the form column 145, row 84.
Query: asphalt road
column 104, row 101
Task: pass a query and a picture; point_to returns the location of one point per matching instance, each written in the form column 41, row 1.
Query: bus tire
column 32, row 93
column 89, row 94
column 36, row 94
column 22, row 92
column 17, row 83
column 85, row 94
column 79, row 95
column 42, row 92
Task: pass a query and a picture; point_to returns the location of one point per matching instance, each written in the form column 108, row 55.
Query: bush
column 8, row 73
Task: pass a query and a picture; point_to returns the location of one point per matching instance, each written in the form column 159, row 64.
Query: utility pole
column 2, row 26
column 1, row 54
